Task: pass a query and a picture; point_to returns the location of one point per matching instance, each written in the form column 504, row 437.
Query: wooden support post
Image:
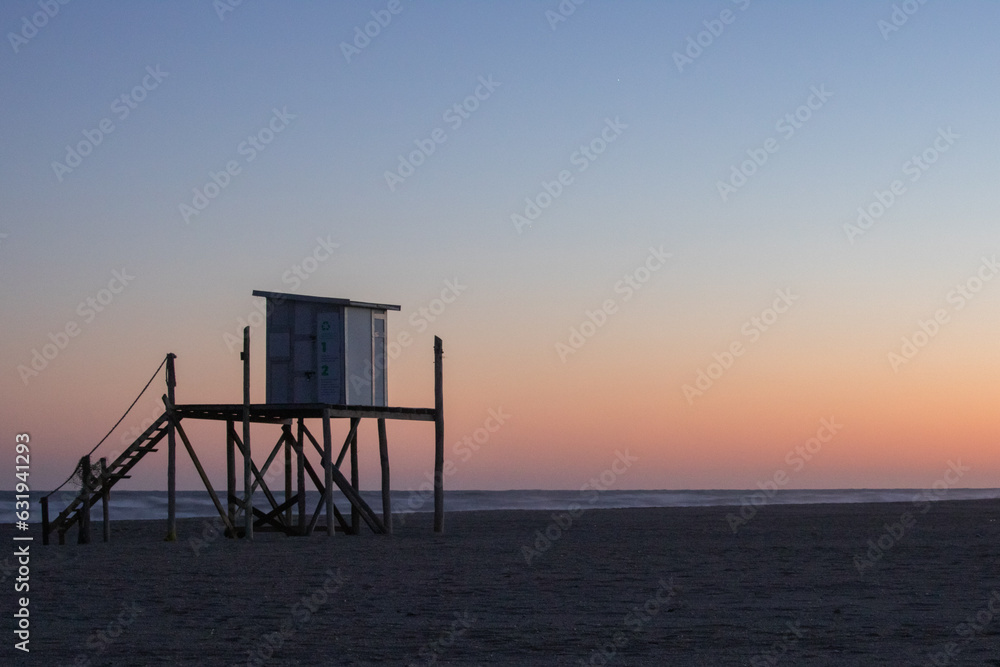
column 171, row 456
column 347, row 442
column 258, row 474
column 83, row 537
column 328, row 470
column 320, row 486
column 287, row 430
column 231, row 472
column 383, row 454
column 105, row 499
column 204, row 477
column 301, row 470
column 355, row 476
column 45, row 520
column 438, row 438
column 247, row 481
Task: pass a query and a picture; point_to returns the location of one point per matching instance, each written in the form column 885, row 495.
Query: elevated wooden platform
column 289, row 514
column 281, row 413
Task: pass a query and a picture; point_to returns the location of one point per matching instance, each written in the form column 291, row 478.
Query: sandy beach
column 853, row 584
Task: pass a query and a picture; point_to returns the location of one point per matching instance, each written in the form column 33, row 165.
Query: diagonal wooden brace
column 256, row 472
column 197, row 464
column 372, row 519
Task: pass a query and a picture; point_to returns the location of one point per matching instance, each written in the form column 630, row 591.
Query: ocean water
column 126, row 505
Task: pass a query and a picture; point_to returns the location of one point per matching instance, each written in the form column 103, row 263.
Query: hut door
column 378, row 359
column 329, row 335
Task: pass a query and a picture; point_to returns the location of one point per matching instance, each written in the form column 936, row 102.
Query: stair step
column 125, row 462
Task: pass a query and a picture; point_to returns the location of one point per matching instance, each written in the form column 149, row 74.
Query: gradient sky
column 888, row 95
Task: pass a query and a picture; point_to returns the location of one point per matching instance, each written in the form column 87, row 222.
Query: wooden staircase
column 116, row 471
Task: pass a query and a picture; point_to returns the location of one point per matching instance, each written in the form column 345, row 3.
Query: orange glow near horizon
column 565, row 422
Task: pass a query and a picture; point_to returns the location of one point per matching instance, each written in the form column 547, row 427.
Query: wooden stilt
column 105, row 500
column 351, row 437
column 287, row 430
column 83, row 536
column 258, row 475
column 231, row 472
column 171, row 456
column 301, row 475
column 315, row 480
column 247, row 481
column 311, row 526
column 355, row 476
column 328, row 470
column 45, row 520
column 438, row 438
column 204, row 477
column 383, row 454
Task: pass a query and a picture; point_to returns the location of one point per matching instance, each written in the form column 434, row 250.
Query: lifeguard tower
column 326, row 359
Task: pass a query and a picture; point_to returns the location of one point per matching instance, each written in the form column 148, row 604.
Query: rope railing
column 74, row 473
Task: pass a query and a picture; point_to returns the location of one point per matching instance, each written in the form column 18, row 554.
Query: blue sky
column 345, row 124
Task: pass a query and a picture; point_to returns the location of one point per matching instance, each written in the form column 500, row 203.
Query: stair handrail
column 120, row 420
